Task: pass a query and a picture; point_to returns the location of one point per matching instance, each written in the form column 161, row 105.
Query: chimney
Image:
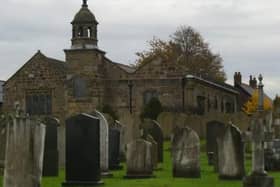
column 237, row 79
column 253, row 83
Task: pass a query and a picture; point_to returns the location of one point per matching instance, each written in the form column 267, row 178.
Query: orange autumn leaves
column 252, row 104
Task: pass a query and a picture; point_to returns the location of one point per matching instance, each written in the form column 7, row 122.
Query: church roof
column 222, row 86
column 56, row 64
column 250, row 91
column 127, row 68
column 84, row 16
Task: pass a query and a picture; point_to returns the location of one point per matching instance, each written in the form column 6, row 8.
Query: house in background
column 246, row 91
column 1, row 94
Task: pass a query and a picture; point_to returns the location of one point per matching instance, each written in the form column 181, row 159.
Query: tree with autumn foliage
column 251, row 105
column 187, row 48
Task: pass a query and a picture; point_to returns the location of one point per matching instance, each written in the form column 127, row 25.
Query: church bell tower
column 84, row 29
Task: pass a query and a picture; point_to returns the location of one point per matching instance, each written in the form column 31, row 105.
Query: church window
column 216, row 103
column 89, row 32
column 148, row 95
column 39, row 103
column 200, row 105
column 229, row 107
column 80, row 32
column 80, row 88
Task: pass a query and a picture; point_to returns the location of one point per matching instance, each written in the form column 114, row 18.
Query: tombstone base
column 210, row 156
column 226, row 177
column 117, row 167
column 82, row 184
column 258, row 181
column 186, row 174
column 106, row 174
column 128, row 176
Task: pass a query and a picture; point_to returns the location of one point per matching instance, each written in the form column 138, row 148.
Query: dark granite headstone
column 274, row 161
column 50, row 164
column 213, row 129
column 153, row 128
column 231, row 154
column 82, row 151
column 114, row 149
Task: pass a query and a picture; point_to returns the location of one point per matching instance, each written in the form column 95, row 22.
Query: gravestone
column 213, row 129
column 119, row 126
column 104, row 144
column 153, row 128
column 82, row 151
column 50, row 164
column 275, row 160
column 139, row 160
column 258, row 176
column 150, row 139
column 185, row 154
column 24, row 152
column 231, row 154
column 131, row 127
column 114, row 149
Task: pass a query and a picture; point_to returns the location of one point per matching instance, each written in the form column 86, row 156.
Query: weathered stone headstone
column 82, row 151
column 131, row 127
column 258, row 177
column 114, row 149
column 139, row 159
column 104, row 144
column 50, row 164
column 185, row 154
column 24, row 153
column 153, row 128
column 213, row 129
column 150, row 139
column 231, row 154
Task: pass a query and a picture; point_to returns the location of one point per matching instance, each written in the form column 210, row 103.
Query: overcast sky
column 245, row 32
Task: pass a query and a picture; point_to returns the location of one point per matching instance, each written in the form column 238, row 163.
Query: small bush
column 107, row 109
column 152, row 109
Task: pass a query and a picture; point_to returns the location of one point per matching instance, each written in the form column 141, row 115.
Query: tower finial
column 85, row 3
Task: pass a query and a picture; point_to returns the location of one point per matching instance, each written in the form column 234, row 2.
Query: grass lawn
column 164, row 177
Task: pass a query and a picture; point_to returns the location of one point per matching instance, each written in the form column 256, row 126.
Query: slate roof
column 251, row 90
column 126, row 68
column 1, row 91
column 223, row 86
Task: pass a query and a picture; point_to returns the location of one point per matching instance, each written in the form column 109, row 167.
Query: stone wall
column 198, row 123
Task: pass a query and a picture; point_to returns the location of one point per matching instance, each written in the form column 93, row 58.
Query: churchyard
column 133, row 152
column 164, row 176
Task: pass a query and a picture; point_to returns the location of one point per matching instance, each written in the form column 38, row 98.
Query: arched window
column 148, row 95
column 89, row 32
column 80, row 32
column 80, row 88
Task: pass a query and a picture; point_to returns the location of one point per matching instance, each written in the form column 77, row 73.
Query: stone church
column 88, row 80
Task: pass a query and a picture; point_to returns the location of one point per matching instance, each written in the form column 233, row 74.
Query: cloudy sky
column 245, row 32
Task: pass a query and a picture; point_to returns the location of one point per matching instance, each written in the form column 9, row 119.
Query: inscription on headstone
column 185, row 154
column 139, row 159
